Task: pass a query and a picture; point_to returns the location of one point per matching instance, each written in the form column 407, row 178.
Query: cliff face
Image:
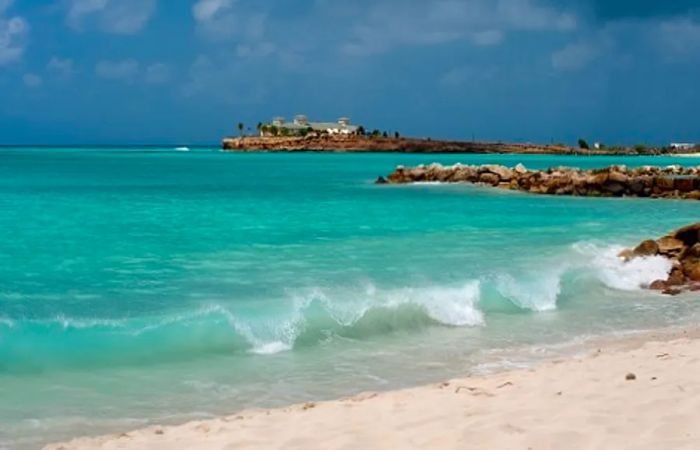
column 381, row 144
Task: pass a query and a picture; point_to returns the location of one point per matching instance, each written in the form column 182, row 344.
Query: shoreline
column 364, row 144
column 596, row 406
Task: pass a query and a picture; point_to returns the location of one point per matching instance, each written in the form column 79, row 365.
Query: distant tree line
column 273, row 130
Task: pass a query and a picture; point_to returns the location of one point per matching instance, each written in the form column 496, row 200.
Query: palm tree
column 241, row 126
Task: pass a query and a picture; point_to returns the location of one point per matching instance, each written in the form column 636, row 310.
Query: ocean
column 142, row 286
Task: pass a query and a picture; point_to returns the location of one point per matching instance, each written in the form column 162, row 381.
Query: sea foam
column 616, row 273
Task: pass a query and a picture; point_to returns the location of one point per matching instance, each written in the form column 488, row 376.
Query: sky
column 187, row 71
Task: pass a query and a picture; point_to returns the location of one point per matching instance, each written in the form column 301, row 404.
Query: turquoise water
column 141, row 286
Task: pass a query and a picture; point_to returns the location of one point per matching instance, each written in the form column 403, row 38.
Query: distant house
column 682, row 146
column 302, row 125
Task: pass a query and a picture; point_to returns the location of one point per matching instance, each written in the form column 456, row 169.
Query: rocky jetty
column 614, row 181
column 682, row 248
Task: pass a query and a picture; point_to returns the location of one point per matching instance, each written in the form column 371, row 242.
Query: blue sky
column 178, row 71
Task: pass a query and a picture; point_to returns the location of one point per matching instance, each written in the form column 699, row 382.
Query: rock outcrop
column 359, row 144
column 353, row 143
column 613, row 181
column 682, row 247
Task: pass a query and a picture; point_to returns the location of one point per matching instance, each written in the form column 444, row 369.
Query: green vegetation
column 305, row 131
column 583, row 144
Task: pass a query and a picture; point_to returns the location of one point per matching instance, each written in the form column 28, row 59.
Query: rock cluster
column 613, row 181
column 682, row 247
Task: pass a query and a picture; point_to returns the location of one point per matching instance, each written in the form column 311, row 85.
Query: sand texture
column 642, row 398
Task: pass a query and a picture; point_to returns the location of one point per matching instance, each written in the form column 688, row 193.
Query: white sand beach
column 631, row 395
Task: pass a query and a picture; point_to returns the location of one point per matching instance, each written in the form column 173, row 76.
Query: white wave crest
column 454, row 306
column 615, row 273
column 450, row 306
column 538, row 292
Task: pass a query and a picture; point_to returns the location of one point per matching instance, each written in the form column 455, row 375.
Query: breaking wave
column 617, row 274
column 312, row 316
column 308, row 317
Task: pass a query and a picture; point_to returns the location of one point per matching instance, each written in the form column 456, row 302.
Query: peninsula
column 302, row 135
column 359, row 144
column 391, row 144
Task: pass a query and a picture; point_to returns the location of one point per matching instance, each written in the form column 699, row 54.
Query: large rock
column 597, row 179
column 647, row 248
column 504, row 173
column 665, row 183
column 670, row 246
column 520, row 169
column 614, row 188
column 618, row 177
column 683, row 184
column 691, row 268
column 489, row 178
column 464, row 174
column 690, row 235
column 682, row 248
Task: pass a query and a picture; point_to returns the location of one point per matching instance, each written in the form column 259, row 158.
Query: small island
column 340, row 136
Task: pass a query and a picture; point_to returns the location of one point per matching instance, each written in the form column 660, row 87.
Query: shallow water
column 141, row 286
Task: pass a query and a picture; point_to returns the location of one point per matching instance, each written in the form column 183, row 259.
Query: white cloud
column 217, row 20
column 63, row 67
column 260, row 50
column 157, row 73
column 208, row 10
column 575, row 56
column 487, row 37
column 111, row 16
column 390, row 23
column 125, row 70
column 679, row 38
column 223, row 81
column 529, row 15
column 13, row 35
column 462, row 76
column 32, row 80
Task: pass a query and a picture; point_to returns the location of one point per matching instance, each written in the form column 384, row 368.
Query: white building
column 301, row 122
column 682, row 146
